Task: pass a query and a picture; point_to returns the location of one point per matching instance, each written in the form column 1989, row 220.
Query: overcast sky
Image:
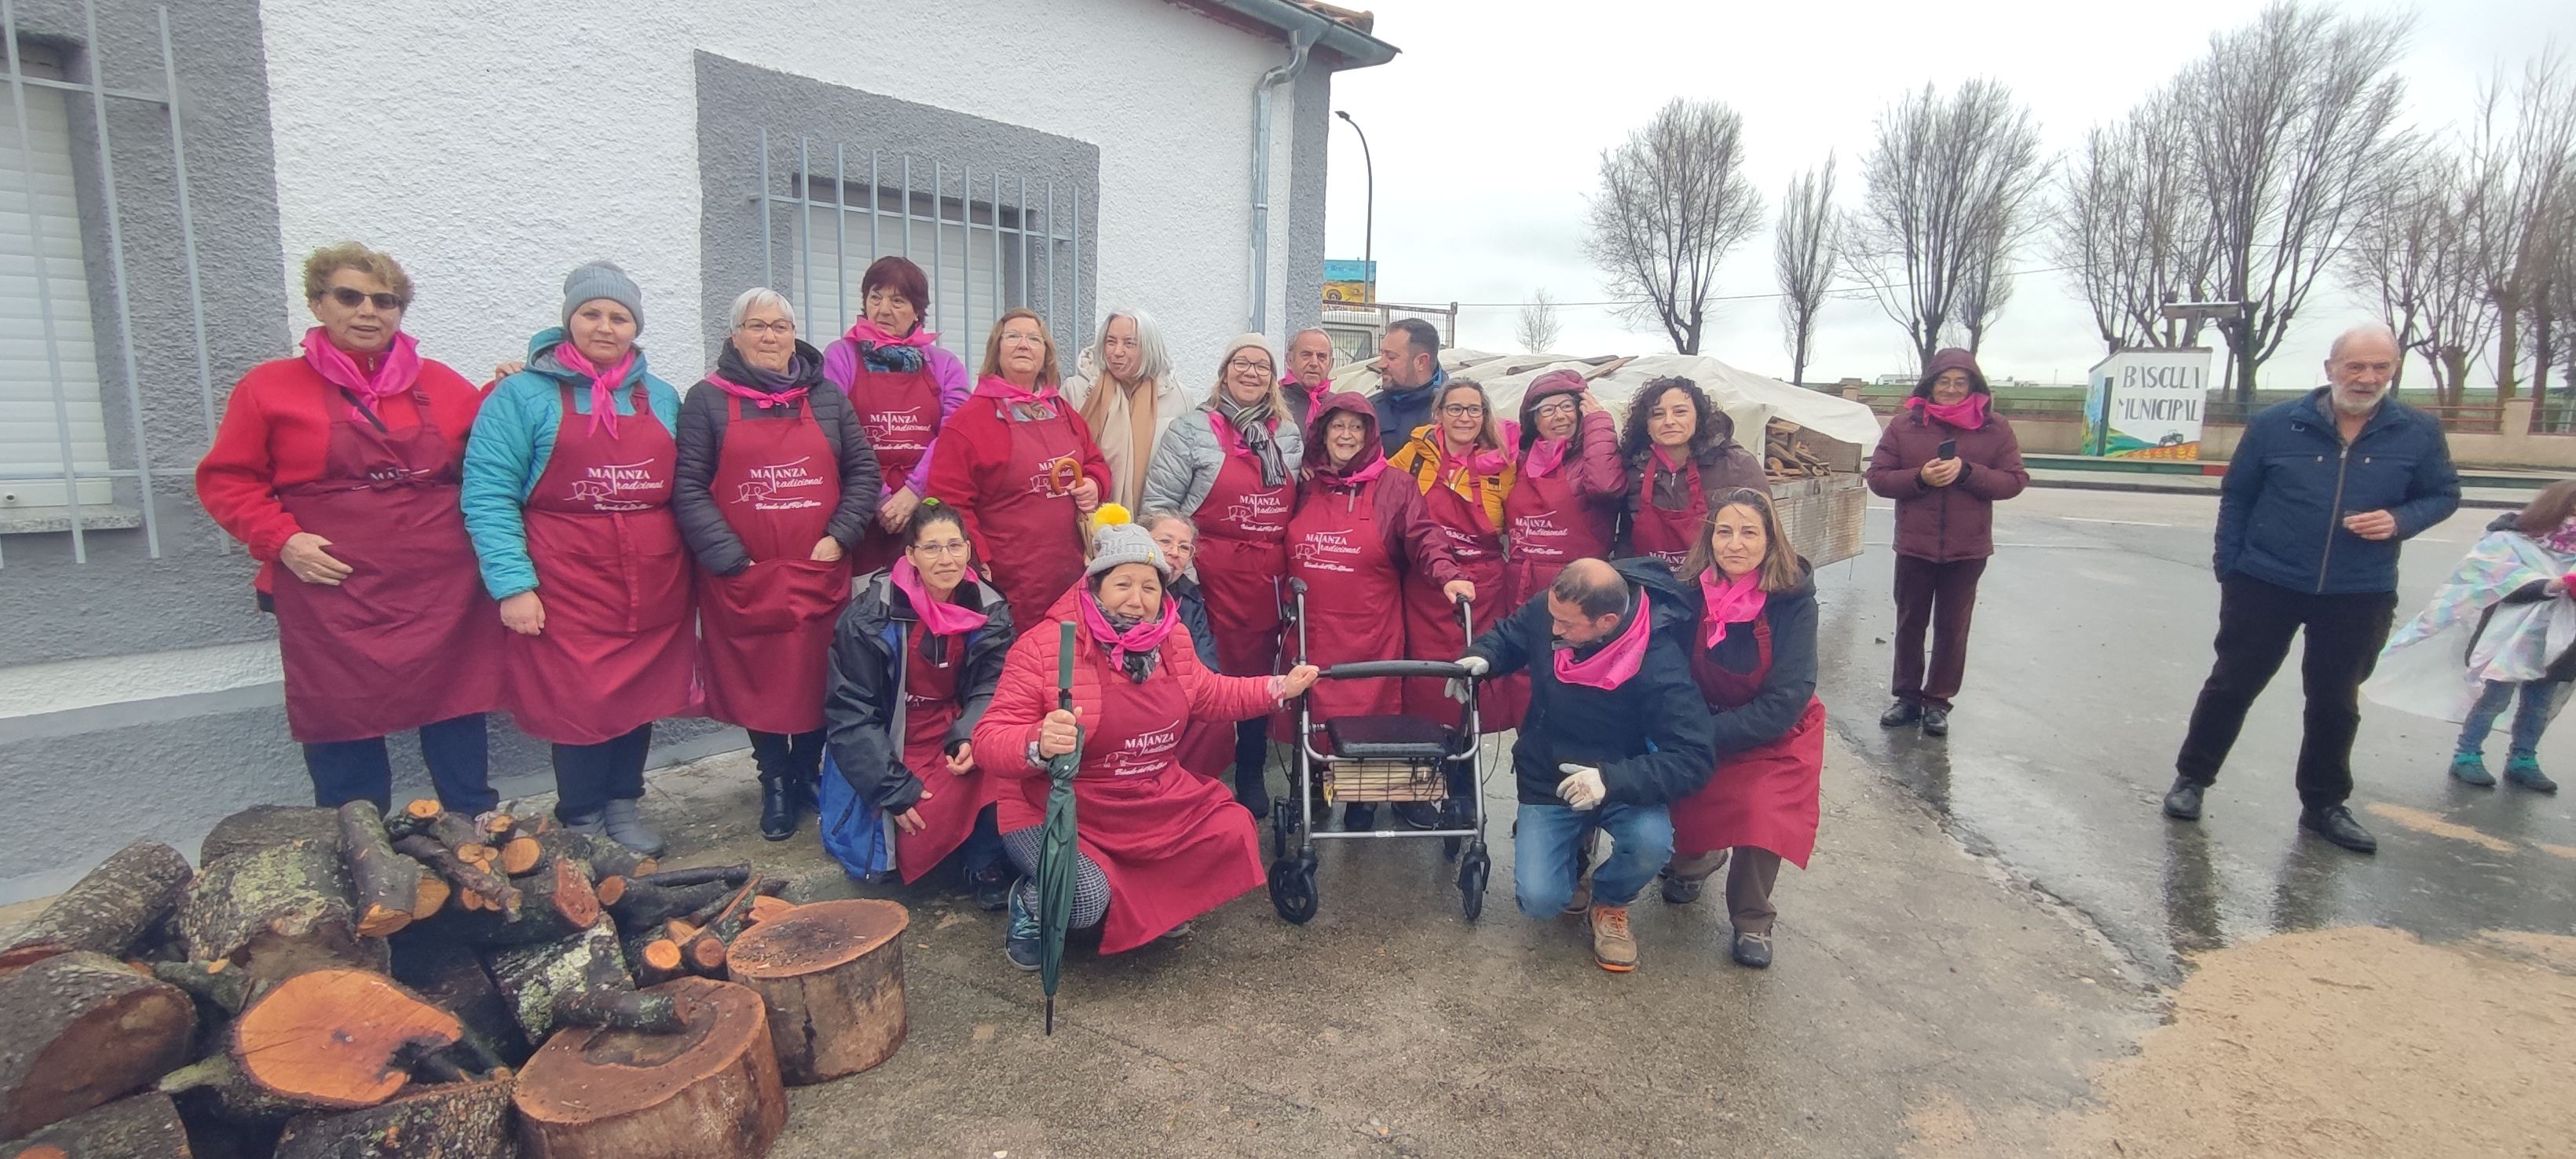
column 1488, row 130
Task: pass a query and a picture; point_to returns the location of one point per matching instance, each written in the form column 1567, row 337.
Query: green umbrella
column 1056, row 854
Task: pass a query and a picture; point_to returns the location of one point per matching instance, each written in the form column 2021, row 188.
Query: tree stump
column 78, row 1030
column 109, row 911
column 710, row 1091
column 337, row 1039
column 831, row 976
column 278, row 911
column 469, row 1120
column 145, row 1126
column 384, row 885
column 262, row 826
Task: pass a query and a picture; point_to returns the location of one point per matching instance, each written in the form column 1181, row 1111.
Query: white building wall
column 491, row 147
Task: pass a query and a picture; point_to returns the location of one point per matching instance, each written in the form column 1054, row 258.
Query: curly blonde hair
column 350, row 255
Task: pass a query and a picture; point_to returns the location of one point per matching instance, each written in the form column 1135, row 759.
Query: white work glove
column 1476, row 666
column 1581, row 787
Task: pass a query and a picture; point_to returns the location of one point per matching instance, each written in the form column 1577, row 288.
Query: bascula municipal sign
column 2147, row 404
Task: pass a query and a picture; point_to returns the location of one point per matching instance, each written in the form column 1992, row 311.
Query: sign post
column 2147, row 404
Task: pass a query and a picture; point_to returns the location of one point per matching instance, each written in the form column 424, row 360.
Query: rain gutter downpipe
column 1298, row 44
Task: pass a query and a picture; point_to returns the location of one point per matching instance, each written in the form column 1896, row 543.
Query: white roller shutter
column 32, row 430
column 962, row 278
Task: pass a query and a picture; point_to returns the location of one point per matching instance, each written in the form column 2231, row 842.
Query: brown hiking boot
column 1683, row 876
column 1613, row 947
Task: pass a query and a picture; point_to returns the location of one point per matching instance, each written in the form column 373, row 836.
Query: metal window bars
column 142, row 470
column 995, row 243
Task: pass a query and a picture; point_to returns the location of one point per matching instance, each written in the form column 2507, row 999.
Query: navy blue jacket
column 1402, row 412
column 2292, row 480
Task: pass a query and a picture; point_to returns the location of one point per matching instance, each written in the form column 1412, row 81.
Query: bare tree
column 1803, row 254
column 1946, row 181
column 1673, row 201
column 1538, row 325
column 2129, row 226
column 2290, row 118
column 2520, row 170
column 2412, row 252
column 1986, row 285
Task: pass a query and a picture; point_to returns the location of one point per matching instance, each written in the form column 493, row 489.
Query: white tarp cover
column 1752, row 400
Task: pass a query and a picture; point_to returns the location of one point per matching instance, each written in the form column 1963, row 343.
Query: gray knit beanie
column 1118, row 541
column 598, row 280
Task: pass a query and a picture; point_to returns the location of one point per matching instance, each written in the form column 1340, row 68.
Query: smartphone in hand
column 1949, row 449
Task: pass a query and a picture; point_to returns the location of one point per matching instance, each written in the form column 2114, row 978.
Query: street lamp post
column 1368, row 227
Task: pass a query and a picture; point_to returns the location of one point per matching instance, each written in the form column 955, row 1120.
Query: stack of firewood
column 339, row 983
column 1788, row 456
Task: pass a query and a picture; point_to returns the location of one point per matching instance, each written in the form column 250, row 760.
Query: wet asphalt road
column 2091, row 640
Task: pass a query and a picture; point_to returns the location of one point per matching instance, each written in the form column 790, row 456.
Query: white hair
column 1317, row 331
column 2373, row 330
column 759, row 296
column 1153, row 359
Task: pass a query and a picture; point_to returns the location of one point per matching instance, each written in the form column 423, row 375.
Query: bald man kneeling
column 1616, row 731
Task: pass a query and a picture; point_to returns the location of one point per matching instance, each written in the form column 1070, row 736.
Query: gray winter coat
column 1187, row 459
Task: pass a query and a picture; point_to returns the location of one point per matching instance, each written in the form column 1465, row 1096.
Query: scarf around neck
column 735, row 375
column 603, row 384
column 1728, row 602
column 1134, row 647
column 1616, row 661
column 1250, row 427
column 899, row 355
column 396, row 372
column 1967, row 414
column 939, row 616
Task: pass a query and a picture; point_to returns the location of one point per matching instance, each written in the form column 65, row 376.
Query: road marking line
column 2120, row 522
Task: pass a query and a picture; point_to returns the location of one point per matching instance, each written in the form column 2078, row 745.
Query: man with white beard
column 2318, row 495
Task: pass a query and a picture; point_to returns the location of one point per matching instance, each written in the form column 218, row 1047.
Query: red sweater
column 276, row 431
column 966, row 467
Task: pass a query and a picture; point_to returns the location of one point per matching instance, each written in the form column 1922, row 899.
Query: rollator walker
column 1371, row 759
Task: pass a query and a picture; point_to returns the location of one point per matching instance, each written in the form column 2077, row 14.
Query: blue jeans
column 2539, row 699
column 457, row 751
column 1548, row 838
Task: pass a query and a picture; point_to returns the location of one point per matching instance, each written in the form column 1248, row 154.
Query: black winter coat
column 867, row 671
column 708, row 412
column 1650, row 737
column 1192, row 604
column 1791, row 683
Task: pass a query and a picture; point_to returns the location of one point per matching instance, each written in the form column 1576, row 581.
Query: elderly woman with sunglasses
column 339, row 468
column 776, row 484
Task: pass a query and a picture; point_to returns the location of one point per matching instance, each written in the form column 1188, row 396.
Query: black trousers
column 2255, row 623
column 1252, row 759
column 457, row 750
column 1940, row 598
column 794, row 758
column 589, row 776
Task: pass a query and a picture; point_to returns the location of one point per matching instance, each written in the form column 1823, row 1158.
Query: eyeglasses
column 1248, row 364
column 941, row 550
column 781, row 329
column 352, row 299
column 1460, row 410
column 1559, row 406
column 1177, row 547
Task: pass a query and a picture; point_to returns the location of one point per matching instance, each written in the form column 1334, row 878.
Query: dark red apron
column 1032, row 534
column 1243, row 552
column 1766, row 797
column 929, row 692
column 1174, row 845
column 1666, row 535
column 1431, row 629
column 1549, row 526
column 616, row 653
column 1337, row 547
column 765, row 633
column 900, row 413
column 409, row 638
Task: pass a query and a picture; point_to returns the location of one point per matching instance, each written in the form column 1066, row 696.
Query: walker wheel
column 1292, row 889
column 1472, row 872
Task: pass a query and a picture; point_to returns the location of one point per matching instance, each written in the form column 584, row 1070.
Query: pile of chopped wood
column 339, row 983
column 1788, row 454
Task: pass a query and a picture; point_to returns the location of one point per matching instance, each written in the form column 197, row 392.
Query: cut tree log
column 457, row 833
column 262, row 826
column 145, row 1126
column 219, row 986
column 765, row 908
column 214, row 1088
column 609, row 889
column 719, row 926
column 645, row 902
column 554, row 904
column 337, row 1039
column 653, row 958
column 534, row 978
column 452, row 976
column 84, row 1029
column 433, row 895
column 468, row 1120
column 607, row 858
column 110, row 911
column 277, row 912
column 619, row 1010
column 831, row 976
column 733, row 876
column 464, row 876
column 384, row 885
column 711, row 1091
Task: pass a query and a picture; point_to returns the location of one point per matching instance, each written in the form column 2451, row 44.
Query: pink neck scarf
column 1967, row 414
column 1362, row 477
column 1728, row 601
column 939, row 616
column 603, row 384
column 398, row 372
column 1614, row 664
column 1146, row 636
column 755, row 394
column 995, row 386
column 1545, row 456
column 867, row 333
column 1665, row 460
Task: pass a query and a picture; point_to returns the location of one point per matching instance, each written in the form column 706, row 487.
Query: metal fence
column 73, row 473
column 994, row 241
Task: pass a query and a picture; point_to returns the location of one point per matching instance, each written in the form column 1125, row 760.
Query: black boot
column 1901, row 713
column 2335, row 823
column 778, row 802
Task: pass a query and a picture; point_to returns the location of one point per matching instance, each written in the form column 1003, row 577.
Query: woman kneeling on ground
column 1161, row 843
column 1755, row 661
